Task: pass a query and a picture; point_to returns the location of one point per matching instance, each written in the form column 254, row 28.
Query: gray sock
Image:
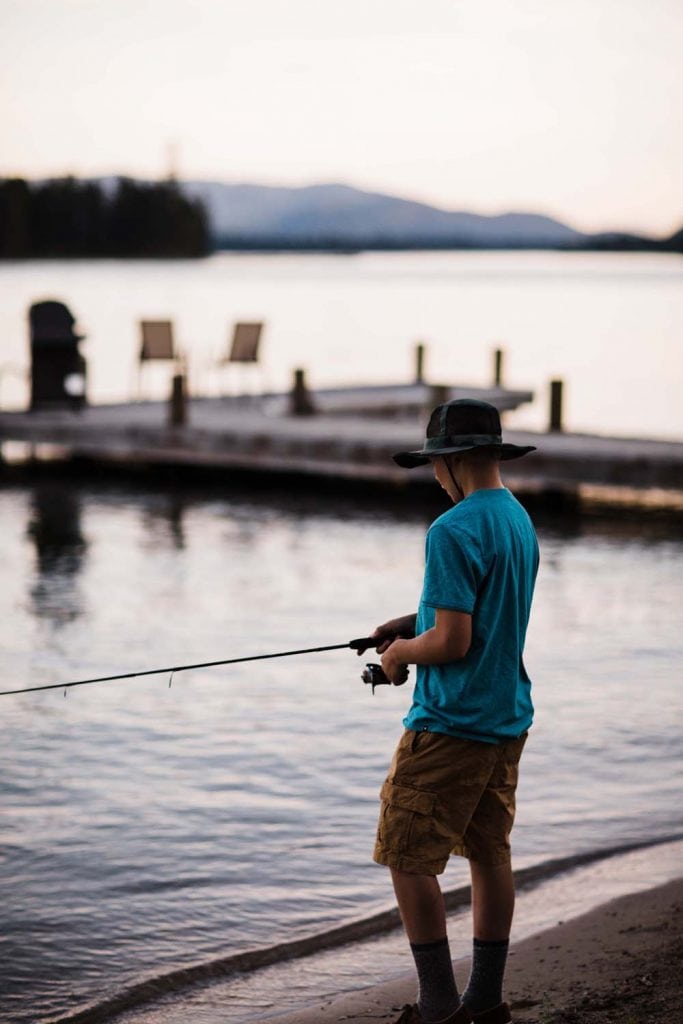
column 485, row 986
column 438, row 995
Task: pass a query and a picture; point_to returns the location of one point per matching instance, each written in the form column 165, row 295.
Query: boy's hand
column 395, row 668
column 403, row 626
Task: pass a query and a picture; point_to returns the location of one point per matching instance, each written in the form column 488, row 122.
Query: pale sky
column 566, row 107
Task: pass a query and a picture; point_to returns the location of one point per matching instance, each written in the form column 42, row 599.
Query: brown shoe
column 411, row 1015
column 496, row 1015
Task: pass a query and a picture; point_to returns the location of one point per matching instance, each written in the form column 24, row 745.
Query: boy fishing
column 452, row 781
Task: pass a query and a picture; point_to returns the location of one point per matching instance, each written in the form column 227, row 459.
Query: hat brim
column 410, row 460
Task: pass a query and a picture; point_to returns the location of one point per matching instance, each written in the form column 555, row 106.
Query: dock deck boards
column 250, row 434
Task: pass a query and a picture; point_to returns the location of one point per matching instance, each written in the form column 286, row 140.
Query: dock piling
column 300, row 401
column 439, row 393
column 419, row 363
column 556, row 398
column 177, row 412
column 498, row 367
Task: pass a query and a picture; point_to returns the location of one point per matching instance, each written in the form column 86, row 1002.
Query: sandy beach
column 618, row 964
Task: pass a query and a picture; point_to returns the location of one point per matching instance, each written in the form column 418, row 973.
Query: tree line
column 65, row 217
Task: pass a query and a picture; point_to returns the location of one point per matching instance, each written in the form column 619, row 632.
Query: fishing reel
column 373, row 674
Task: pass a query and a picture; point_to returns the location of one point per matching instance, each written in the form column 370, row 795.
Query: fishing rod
column 373, row 673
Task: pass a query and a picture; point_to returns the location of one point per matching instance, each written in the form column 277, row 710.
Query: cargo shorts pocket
column 406, row 817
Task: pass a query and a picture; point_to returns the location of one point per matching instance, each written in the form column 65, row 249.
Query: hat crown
column 461, row 426
column 464, row 416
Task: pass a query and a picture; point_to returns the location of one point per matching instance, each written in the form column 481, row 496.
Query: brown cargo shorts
column 447, row 795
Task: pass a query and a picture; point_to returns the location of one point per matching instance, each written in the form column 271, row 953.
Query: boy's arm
column 448, row 640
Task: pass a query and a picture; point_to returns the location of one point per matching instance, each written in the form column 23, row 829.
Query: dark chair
column 58, row 370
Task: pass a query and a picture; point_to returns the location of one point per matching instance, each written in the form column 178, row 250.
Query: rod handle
column 363, row 643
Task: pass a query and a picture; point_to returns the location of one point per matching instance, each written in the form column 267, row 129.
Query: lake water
column 148, row 827
column 609, row 325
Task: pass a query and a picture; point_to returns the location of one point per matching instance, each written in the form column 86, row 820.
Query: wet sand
column 618, row 964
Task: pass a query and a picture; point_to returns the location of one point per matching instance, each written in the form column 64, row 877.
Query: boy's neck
column 480, row 478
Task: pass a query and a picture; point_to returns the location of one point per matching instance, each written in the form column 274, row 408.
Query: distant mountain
column 341, row 216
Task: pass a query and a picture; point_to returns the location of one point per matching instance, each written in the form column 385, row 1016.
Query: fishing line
column 355, row 645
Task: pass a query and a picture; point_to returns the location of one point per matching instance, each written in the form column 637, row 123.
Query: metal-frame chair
column 244, row 346
column 157, row 344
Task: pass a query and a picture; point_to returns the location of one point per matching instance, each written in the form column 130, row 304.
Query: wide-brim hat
column 461, row 426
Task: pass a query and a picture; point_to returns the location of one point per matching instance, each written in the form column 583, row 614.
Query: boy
column 451, row 785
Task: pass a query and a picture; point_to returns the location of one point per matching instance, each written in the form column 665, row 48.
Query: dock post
column 419, row 363
column 439, row 394
column 556, row 389
column 177, row 411
column 300, row 401
column 498, row 368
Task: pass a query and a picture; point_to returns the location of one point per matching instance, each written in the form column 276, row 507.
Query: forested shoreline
column 66, row 217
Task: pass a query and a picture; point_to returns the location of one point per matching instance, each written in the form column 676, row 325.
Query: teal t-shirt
column 481, row 558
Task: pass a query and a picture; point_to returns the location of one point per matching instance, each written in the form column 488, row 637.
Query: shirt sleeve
column 453, row 570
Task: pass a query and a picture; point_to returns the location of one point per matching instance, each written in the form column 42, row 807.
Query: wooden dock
column 348, row 440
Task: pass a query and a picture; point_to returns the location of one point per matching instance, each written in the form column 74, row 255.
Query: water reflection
column 167, row 509
column 55, row 528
